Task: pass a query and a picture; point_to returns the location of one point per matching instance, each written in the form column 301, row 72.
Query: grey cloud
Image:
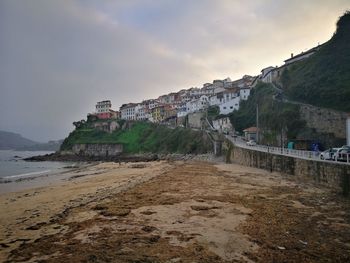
column 57, row 58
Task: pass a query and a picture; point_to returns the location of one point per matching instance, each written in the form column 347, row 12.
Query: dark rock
column 57, row 156
column 154, row 239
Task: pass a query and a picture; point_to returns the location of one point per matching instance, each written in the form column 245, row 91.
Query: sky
column 58, row 58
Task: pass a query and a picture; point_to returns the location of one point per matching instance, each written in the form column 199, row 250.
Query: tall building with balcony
column 103, row 109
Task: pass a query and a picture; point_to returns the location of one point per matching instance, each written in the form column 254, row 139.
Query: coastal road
column 306, row 155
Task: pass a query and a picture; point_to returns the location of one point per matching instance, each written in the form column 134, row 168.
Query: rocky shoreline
column 145, row 157
column 58, row 157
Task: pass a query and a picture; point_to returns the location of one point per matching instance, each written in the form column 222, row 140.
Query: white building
column 207, row 89
column 302, row 55
column 244, row 93
column 222, row 97
column 103, row 106
column 185, row 97
column 197, row 104
column 218, row 90
column 140, row 112
column 266, row 74
column 194, row 92
column 127, row 111
column 152, row 104
column 230, row 105
column 229, row 94
column 214, row 100
column 227, row 83
column 218, row 83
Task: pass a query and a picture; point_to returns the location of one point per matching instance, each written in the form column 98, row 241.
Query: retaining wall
column 98, row 149
column 333, row 175
column 324, row 120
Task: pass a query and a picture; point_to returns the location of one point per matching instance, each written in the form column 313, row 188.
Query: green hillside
column 324, row 78
column 144, row 137
column 274, row 115
column 10, row 140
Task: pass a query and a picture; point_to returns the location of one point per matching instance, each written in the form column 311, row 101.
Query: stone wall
column 324, row 120
column 195, row 120
column 107, row 126
column 97, row 150
column 335, row 175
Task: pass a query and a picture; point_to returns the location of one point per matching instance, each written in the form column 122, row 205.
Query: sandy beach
column 174, row 211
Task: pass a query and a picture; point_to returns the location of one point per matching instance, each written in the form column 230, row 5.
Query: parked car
column 328, row 154
column 342, row 154
column 251, row 143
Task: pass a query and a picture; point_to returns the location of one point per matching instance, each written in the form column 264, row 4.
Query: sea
column 12, row 165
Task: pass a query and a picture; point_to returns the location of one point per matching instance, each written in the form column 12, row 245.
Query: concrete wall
column 98, row 150
column 333, row 175
column 324, row 120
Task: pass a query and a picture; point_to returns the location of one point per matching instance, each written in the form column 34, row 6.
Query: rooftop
column 251, row 129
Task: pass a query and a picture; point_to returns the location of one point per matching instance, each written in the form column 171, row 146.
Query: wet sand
column 174, row 212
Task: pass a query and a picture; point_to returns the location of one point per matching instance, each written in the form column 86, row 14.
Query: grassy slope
column 144, row 137
column 324, row 78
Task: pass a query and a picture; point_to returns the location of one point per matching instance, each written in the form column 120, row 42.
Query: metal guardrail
column 309, row 155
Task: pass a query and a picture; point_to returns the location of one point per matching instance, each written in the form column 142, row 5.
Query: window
column 231, row 107
column 224, row 108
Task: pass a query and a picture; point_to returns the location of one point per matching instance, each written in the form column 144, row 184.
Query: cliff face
column 97, row 150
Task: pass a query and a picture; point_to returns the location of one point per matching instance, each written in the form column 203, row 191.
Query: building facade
column 103, row 109
column 127, row 111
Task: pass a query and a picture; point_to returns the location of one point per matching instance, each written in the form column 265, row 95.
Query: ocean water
column 13, row 167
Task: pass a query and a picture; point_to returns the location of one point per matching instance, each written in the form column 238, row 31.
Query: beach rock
column 148, row 229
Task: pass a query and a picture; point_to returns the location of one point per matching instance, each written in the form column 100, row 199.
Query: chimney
column 291, row 55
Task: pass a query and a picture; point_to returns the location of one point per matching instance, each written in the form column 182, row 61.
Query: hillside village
column 226, row 95
column 283, row 106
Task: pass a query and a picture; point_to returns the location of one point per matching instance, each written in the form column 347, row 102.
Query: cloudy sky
column 57, row 58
